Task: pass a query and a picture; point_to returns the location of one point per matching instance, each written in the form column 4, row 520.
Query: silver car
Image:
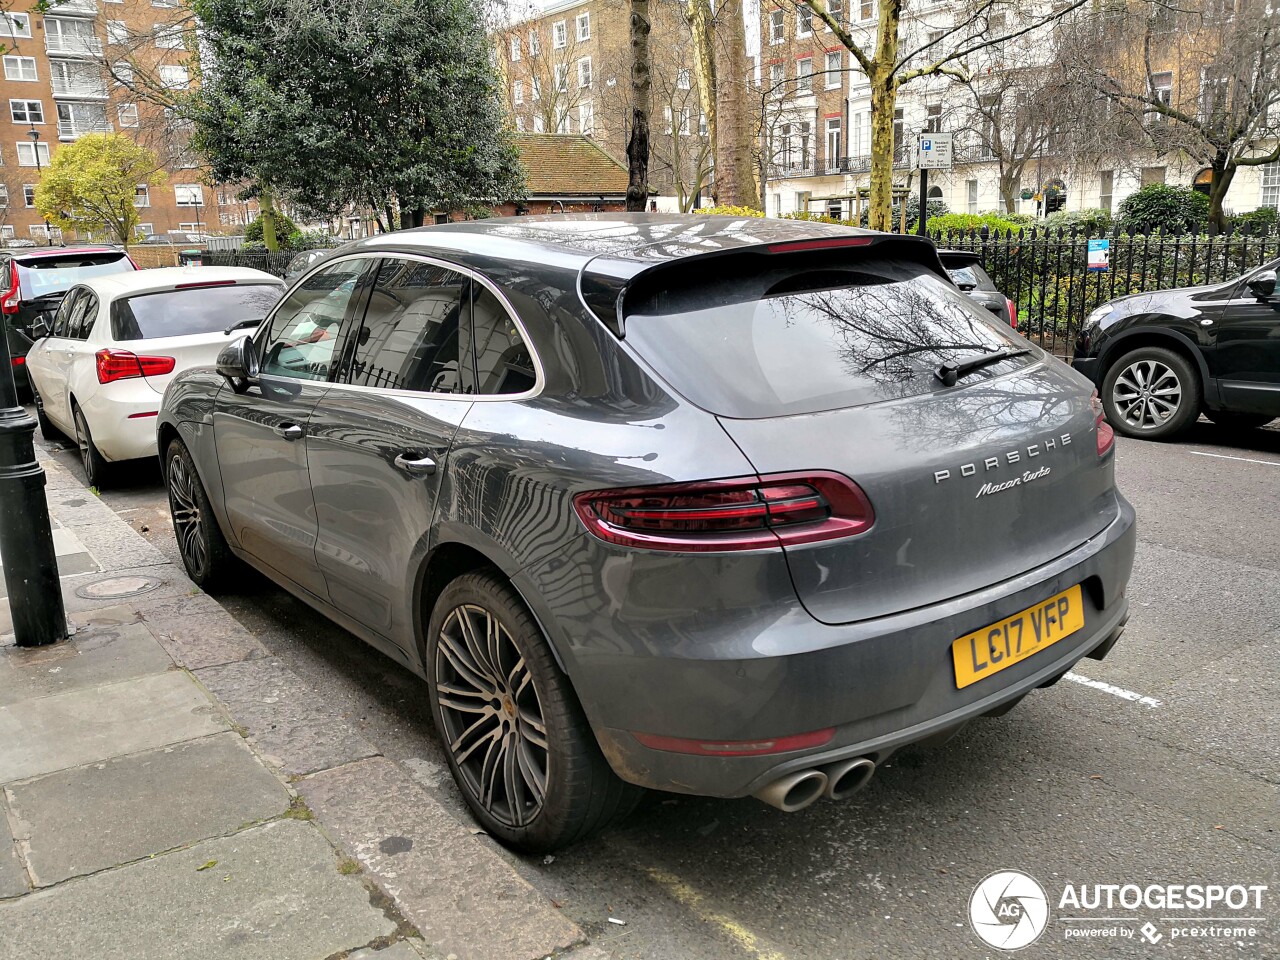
column 701, row 504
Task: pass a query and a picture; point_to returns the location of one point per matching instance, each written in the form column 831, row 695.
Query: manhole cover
column 115, row 587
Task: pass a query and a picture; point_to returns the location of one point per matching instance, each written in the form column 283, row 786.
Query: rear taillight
column 1013, row 313
column 18, row 361
column 747, row 513
column 10, row 300
column 122, row 365
column 1106, row 435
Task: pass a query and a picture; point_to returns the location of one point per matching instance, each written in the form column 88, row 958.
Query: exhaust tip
column 846, row 779
column 795, row 791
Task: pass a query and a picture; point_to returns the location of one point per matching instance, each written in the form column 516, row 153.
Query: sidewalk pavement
column 169, row 789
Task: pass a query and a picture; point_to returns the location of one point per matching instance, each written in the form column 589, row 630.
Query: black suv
column 34, row 281
column 1161, row 359
column 966, row 272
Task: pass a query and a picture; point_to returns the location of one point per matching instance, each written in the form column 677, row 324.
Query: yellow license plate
column 1001, row 645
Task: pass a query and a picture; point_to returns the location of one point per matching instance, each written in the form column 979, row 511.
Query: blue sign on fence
column 1099, row 255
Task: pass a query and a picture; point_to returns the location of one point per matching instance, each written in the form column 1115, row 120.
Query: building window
column 4, row 196
column 28, row 152
column 584, row 73
column 685, row 117
column 666, row 117
column 42, row 231
column 26, row 111
column 584, row 26
column 28, row 194
column 971, row 194
column 517, row 92
column 934, row 37
column 833, row 143
column 127, row 114
column 6, row 232
column 559, row 35
column 835, row 70
column 776, row 79
column 933, row 118
column 535, row 89
column 1106, row 188
column 804, row 75
column 534, row 43
column 997, row 24
column 562, row 122
column 20, row 68
column 174, row 77
column 586, row 118
column 836, row 9
column 142, row 195
column 1152, row 175
column 703, row 129
column 562, row 77
column 123, row 71
column 866, row 9
column 539, row 126
column 682, row 79
column 1270, row 186
column 777, row 26
column 1161, row 92
column 16, row 25
column 144, row 229
column 515, row 49
column 188, row 194
column 170, row 38
column 804, row 21
column 117, row 31
column 520, row 124
column 899, row 136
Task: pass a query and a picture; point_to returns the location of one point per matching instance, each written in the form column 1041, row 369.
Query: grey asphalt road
column 1164, row 768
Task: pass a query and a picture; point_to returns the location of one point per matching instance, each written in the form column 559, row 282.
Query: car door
column 50, row 359
column 78, row 365
column 381, row 437
column 1244, row 353
column 260, row 432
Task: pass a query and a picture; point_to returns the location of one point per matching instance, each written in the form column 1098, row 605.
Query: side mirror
column 238, row 362
column 1263, row 285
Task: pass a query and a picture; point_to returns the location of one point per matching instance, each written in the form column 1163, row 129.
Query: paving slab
column 272, row 893
column 79, row 821
column 101, row 653
column 97, row 723
column 115, row 544
column 287, row 721
column 400, row 950
column 13, row 878
column 197, row 632
column 464, row 899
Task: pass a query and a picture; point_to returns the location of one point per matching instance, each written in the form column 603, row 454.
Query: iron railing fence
column 1046, row 272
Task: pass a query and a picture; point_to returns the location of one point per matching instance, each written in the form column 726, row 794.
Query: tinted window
column 503, row 363
column 63, row 316
column 83, row 314
column 305, row 329
column 778, row 340
column 181, row 313
column 410, row 336
column 39, row 276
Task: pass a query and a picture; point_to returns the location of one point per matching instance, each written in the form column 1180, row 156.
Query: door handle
column 290, row 431
column 423, row 467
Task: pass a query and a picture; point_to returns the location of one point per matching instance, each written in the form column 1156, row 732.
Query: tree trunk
column 702, row 27
column 884, row 96
column 736, row 143
column 267, row 211
column 1224, row 171
column 417, row 216
column 1008, row 180
column 641, row 104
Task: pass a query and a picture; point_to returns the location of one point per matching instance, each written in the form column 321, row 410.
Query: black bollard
column 26, row 537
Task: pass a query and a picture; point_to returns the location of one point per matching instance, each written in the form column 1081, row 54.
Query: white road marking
column 1223, row 456
column 1120, row 692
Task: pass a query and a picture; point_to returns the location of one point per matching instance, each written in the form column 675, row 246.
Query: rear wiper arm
column 241, row 325
column 949, row 375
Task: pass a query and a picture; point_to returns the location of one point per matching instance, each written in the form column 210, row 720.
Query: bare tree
column 545, row 73
column 737, row 133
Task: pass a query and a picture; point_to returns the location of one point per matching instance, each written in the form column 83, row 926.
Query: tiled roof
column 569, row 164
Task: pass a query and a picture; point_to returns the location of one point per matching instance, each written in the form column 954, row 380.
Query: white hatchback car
column 99, row 371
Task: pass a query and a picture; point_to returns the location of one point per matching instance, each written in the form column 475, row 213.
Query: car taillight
column 18, row 362
column 1106, row 435
column 11, row 298
column 1013, row 313
column 746, row 513
column 122, row 365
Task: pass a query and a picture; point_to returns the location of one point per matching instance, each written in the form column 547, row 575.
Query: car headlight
column 1096, row 317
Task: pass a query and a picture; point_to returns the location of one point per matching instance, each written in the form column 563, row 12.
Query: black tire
column 208, row 560
column 47, row 429
column 498, row 742
column 1151, row 393
column 97, row 470
column 1238, row 421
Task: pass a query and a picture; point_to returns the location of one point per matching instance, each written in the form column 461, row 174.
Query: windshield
column 781, row 341
column 39, row 277
column 181, row 313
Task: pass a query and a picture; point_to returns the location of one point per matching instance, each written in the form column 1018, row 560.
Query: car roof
column 166, row 278
column 959, row 257
column 29, row 253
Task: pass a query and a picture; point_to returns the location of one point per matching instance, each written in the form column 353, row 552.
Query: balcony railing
column 71, row 129
column 79, row 87
column 72, row 45
column 76, row 8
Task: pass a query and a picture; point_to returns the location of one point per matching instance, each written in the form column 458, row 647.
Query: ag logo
column 1008, row 910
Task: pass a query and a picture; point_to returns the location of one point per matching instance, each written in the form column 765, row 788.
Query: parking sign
column 935, row 151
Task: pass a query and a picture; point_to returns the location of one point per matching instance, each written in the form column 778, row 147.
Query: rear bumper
column 881, row 684
column 122, row 418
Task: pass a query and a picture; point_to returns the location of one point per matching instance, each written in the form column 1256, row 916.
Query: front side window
column 82, row 316
column 414, row 334
column 63, row 317
column 503, row 362
column 304, row 331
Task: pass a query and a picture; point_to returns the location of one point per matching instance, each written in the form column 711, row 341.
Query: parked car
column 702, row 504
column 1161, row 359
column 100, row 367
column 965, row 269
column 300, row 262
column 35, row 281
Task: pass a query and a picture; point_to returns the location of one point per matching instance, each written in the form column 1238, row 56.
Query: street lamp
column 34, row 134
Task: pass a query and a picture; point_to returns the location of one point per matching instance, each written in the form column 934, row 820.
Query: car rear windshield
column 181, row 313
column 970, row 275
column 40, row 276
column 789, row 340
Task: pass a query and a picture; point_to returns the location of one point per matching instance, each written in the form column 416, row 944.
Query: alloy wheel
column 492, row 717
column 185, row 508
column 1147, row 394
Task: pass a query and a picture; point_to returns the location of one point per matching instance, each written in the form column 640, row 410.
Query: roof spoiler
column 604, row 281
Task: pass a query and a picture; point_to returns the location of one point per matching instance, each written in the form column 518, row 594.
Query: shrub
column 1161, row 208
column 732, row 211
column 284, row 228
column 1262, row 220
column 1095, row 220
column 966, row 222
column 813, row 217
column 934, row 208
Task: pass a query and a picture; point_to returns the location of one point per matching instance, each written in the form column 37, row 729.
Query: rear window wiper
column 241, row 325
column 949, row 375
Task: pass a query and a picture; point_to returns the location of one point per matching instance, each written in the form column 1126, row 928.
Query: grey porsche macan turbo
column 710, row 505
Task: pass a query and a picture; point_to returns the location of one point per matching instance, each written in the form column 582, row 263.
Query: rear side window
column 412, row 335
column 40, row 276
column 182, row 313
column 783, row 340
column 503, row 363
